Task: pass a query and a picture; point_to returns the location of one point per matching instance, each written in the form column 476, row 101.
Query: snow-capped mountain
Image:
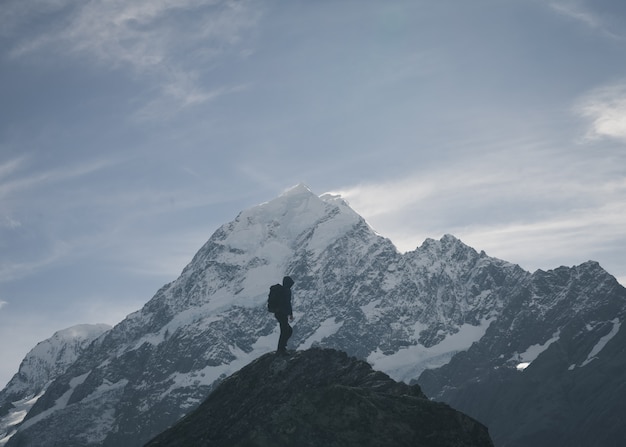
column 409, row 315
column 45, row 362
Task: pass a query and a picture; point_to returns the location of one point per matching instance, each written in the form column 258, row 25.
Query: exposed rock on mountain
column 320, row 397
column 564, row 387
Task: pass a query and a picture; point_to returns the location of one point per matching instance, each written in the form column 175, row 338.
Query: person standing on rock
column 284, row 314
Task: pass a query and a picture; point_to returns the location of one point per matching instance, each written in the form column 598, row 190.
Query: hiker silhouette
column 284, row 314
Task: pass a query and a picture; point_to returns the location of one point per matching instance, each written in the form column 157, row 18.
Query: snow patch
column 527, row 357
column 371, row 310
column 408, row 363
column 327, row 328
column 599, row 346
column 206, row 376
column 60, row 403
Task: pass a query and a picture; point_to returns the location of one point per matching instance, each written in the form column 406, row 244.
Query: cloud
column 533, row 207
column 578, row 11
column 3, row 303
column 575, row 10
column 605, row 108
column 31, row 196
column 47, row 177
column 376, row 199
column 172, row 44
column 577, row 235
column 9, row 222
column 10, row 271
column 178, row 95
column 9, row 167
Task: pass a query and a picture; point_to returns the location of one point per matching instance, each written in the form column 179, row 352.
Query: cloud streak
column 145, row 38
column 10, row 186
column 567, row 208
column 605, row 108
column 576, row 10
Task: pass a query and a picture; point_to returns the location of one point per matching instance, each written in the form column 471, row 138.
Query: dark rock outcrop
column 320, row 397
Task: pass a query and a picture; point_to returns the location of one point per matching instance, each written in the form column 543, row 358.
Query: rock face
column 569, row 390
column 320, row 397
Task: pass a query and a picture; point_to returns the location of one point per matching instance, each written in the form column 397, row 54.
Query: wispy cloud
column 575, row 10
column 26, row 191
column 26, row 180
column 9, row 167
column 605, row 108
column 178, row 95
column 578, row 235
column 9, row 222
column 578, row 11
column 163, row 42
column 536, row 208
column 10, row 271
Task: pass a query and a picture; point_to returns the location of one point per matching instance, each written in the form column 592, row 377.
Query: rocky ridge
column 320, row 397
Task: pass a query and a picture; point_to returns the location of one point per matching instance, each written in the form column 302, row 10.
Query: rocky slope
column 320, row 397
column 549, row 371
column 443, row 307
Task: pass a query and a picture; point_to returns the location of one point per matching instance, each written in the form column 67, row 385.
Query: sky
column 130, row 130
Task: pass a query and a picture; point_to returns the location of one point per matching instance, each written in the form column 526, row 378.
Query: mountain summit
column 464, row 324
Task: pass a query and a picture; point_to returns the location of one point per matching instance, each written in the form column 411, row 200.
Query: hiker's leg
column 285, row 331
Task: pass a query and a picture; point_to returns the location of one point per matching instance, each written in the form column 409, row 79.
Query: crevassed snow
column 327, row 328
column 527, row 357
column 602, row 342
column 408, row 363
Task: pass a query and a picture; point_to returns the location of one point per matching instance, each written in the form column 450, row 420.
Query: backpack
column 275, row 298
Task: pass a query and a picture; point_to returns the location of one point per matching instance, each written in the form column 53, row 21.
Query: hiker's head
column 287, row 281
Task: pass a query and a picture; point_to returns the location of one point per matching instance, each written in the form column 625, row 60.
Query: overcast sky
column 131, row 129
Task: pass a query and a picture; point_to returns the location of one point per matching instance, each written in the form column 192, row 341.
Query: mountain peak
column 289, row 217
column 44, row 363
column 298, row 189
column 325, row 395
column 50, row 357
